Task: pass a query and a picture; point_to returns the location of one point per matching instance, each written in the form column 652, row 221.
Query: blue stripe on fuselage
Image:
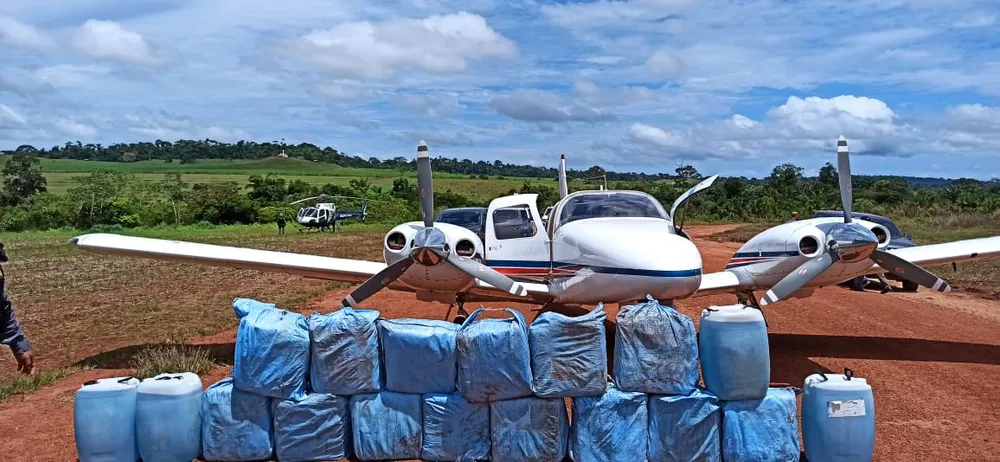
column 596, row 269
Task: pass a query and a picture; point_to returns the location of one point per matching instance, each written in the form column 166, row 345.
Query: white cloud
column 22, row 83
column 663, row 64
column 18, row 34
column 820, row 117
column 378, row 50
column 10, row 117
column 168, row 126
column 108, row 40
column 62, row 75
column 540, row 106
column 431, row 105
column 75, row 128
column 596, row 96
column 657, row 136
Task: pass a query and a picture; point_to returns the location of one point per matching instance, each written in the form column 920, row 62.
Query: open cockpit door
column 683, row 198
column 516, row 241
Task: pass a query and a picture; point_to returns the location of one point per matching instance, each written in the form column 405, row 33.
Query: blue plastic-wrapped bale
column 569, row 355
column 685, row 427
column 386, row 425
column 761, row 430
column 610, row 427
column 419, row 355
column 236, row 425
column 529, row 429
column 314, row 429
column 494, row 362
column 656, row 350
column 272, row 354
column 244, row 306
column 735, row 359
column 345, row 357
column 838, row 418
column 455, row 429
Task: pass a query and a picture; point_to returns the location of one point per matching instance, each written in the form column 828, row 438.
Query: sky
column 733, row 87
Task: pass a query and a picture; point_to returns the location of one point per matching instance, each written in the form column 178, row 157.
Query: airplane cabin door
column 516, row 239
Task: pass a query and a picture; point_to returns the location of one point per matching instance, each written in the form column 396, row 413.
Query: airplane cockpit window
column 513, row 222
column 610, row 204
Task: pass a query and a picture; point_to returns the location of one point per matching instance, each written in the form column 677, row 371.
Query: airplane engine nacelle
column 398, row 243
column 880, row 232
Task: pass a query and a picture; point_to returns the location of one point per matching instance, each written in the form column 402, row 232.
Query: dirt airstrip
column 932, row 359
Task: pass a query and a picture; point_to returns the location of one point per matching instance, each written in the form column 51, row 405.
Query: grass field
column 61, row 174
column 75, row 305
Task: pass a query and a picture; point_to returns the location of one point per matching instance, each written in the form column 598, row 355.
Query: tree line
column 108, row 198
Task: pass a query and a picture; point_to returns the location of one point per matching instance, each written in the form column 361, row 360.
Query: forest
column 104, row 198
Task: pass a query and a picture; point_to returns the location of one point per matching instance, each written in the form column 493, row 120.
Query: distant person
column 795, row 217
column 281, row 224
column 10, row 331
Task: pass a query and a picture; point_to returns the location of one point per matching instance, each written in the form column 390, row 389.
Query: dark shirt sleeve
column 10, row 330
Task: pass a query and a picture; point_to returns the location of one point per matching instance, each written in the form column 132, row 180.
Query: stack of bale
column 329, row 387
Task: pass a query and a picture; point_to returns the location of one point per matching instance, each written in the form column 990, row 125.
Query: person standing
column 11, row 333
column 281, row 223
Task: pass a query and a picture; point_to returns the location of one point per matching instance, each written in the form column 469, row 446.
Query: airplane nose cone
column 853, row 243
column 639, row 257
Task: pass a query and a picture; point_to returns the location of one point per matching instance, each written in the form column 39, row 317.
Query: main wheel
column 910, row 286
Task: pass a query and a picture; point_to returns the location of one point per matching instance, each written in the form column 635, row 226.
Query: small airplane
column 324, row 215
column 603, row 246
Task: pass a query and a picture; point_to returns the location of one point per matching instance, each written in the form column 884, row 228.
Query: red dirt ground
column 932, row 360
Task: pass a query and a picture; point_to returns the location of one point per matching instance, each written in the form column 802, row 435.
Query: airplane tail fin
column 563, row 187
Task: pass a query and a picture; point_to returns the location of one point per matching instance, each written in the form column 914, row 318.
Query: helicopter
column 324, row 215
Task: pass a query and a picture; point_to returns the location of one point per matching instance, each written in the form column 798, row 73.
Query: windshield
column 471, row 219
column 610, row 204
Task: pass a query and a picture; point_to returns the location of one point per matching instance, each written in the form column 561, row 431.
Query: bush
column 168, row 359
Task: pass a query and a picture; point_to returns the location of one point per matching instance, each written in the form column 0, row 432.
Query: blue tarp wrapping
column 272, row 354
column 314, row 429
column 345, row 356
column 529, row 430
column 494, row 362
column 419, row 355
column 386, row 425
column 243, row 306
column 569, row 355
column 610, row 427
column 656, row 350
column 455, row 429
column 761, row 430
column 236, row 425
column 685, row 427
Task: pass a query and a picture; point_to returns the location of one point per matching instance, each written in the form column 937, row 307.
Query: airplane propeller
column 850, row 242
column 430, row 247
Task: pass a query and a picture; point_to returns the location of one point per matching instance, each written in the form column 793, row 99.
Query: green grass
column 172, row 358
column 76, row 306
column 25, row 384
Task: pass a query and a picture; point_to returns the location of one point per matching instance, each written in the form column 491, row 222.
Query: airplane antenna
column 563, row 186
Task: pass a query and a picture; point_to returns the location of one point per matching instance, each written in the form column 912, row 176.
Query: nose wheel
column 461, row 315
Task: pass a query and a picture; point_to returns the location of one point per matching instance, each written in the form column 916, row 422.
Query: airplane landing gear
column 748, row 299
column 462, row 314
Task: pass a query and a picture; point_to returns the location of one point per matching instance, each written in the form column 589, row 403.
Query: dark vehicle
column 471, row 218
column 897, row 239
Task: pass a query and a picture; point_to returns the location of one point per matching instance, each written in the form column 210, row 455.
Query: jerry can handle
column 821, row 374
column 848, row 373
column 89, row 382
column 125, row 380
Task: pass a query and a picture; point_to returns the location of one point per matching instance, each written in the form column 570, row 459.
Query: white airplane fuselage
column 585, row 261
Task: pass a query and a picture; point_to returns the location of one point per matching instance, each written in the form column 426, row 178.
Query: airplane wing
column 722, row 282
column 311, row 266
column 949, row 252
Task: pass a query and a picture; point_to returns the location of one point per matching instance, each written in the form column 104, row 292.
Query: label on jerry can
column 848, row 408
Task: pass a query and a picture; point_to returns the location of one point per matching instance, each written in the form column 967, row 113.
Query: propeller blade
column 797, row 279
column 377, row 282
column 563, row 186
column 909, row 271
column 844, row 172
column 487, row 275
column 425, row 185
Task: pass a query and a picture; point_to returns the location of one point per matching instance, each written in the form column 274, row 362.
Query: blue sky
column 733, row 87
